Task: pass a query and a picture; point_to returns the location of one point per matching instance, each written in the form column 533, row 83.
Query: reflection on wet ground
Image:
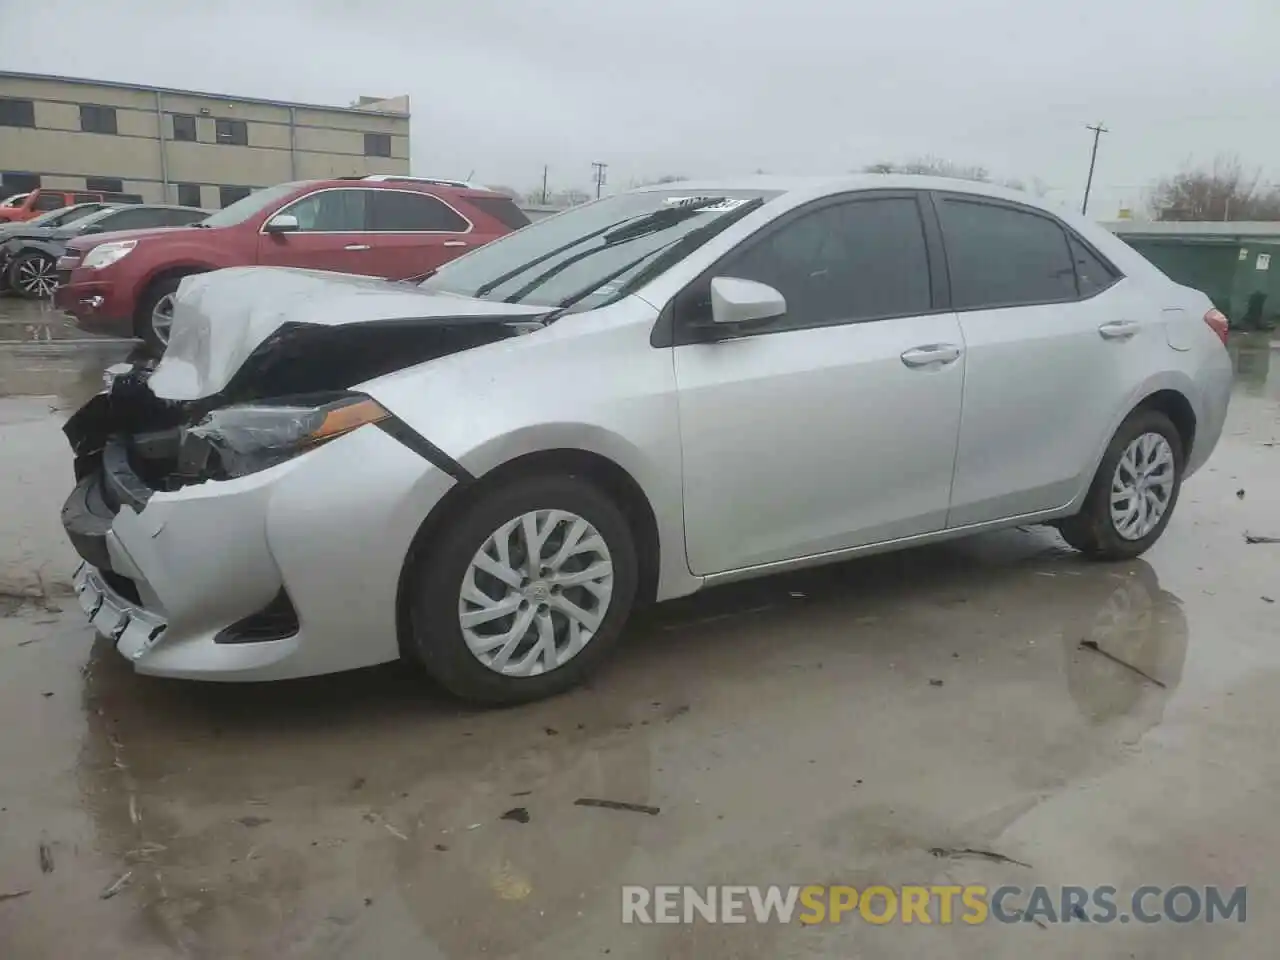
column 1102, row 723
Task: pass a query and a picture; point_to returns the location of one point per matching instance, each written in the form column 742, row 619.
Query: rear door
column 414, row 233
column 835, row 425
column 1056, row 341
column 332, row 233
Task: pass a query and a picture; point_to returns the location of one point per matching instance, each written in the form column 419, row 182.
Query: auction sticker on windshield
column 719, row 206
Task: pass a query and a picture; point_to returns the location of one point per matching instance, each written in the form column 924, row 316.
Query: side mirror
column 282, row 223
column 737, row 301
column 92, row 228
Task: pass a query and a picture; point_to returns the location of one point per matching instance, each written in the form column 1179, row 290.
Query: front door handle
column 1118, row 329
column 455, row 243
column 931, row 354
column 356, row 246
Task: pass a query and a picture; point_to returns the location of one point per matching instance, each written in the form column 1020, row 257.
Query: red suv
column 394, row 227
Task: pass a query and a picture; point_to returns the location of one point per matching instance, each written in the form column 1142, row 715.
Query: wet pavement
column 1098, row 724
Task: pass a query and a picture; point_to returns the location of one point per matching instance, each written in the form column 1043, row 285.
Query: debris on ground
column 1093, row 645
column 1258, row 538
column 442, row 847
column 252, row 822
column 522, row 793
column 1240, row 494
column 46, row 857
column 935, row 683
column 1268, row 600
column 357, row 783
column 15, row 895
column 394, row 832
column 552, row 732
column 956, row 853
column 617, row 805
column 518, row 814
column 116, row 886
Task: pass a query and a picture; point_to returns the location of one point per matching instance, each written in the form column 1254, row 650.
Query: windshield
column 246, row 207
column 590, row 254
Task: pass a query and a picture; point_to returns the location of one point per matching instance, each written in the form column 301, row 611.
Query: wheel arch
column 606, row 473
column 167, row 272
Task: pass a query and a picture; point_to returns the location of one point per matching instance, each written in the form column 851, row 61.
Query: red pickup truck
column 395, row 227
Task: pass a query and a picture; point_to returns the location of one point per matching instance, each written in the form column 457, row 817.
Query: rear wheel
column 525, row 592
column 33, row 275
column 1134, row 491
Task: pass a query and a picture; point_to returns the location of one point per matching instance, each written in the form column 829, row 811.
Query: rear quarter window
column 502, row 209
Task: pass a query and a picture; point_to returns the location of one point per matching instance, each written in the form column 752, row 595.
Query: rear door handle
column 356, row 246
column 455, row 243
column 1118, row 329
column 931, row 354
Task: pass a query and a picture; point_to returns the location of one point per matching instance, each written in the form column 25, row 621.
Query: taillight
column 1218, row 323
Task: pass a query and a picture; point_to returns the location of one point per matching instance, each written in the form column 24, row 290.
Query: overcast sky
column 709, row 87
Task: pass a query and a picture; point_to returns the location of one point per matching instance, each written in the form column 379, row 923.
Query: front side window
column 49, row 201
column 94, row 119
column 132, row 219
column 1000, row 256
column 247, row 204
column 182, row 218
column 331, row 211
column 1093, row 274
column 398, row 211
column 845, row 263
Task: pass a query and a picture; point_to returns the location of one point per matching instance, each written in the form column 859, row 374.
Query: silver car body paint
column 757, row 455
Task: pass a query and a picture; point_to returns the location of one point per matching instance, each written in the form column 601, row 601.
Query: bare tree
column 1226, row 190
column 934, row 167
column 666, row 178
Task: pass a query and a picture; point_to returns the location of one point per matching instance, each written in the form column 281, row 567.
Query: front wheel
column 525, row 592
column 155, row 314
column 33, row 275
column 1133, row 493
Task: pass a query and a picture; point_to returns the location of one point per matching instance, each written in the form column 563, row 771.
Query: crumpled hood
column 224, row 318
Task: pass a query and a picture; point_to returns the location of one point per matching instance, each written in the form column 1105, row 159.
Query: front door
column 1056, row 340
column 332, row 234
column 834, row 426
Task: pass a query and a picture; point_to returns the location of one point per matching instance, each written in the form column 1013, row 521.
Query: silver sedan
column 485, row 472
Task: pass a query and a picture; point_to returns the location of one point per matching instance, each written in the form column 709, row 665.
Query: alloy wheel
column 535, row 593
column 1142, row 486
column 162, row 318
column 36, row 277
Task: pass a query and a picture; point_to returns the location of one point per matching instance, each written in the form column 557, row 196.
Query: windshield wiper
column 665, row 256
column 490, row 286
column 645, row 226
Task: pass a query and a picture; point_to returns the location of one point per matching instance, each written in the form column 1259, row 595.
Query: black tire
column 142, row 325
column 1092, row 530
column 434, row 580
column 15, row 265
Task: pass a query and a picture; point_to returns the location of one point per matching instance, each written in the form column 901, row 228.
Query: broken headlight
column 239, row 440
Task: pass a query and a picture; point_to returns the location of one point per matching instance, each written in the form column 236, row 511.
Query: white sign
column 1264, row 261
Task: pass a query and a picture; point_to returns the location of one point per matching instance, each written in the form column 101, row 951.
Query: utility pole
column 544, row 184
column 1098, row 130
column 598, row 170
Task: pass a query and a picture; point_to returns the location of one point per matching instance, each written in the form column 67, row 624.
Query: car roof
column 798, row 188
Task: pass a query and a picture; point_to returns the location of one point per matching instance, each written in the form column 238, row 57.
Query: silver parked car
column 657, row 392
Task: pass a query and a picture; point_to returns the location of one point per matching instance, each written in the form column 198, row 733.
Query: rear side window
column 1093, row 274
column 502, row 209
column 856, row 261
column 49, row 201
column 1002, row 257
column 181, row 218
column 398, row 211
column 84, row 198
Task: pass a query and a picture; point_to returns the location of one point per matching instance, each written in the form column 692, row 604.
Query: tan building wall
column 285, row 141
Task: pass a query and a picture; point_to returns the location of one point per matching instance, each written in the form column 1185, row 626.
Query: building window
column 17, row 113
column 229, row 195
column 233, row 131
column 189, row 194
column 184, row 127
column 104, row 184
column 377, row 144
column 97, row 119
column 11, row 183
